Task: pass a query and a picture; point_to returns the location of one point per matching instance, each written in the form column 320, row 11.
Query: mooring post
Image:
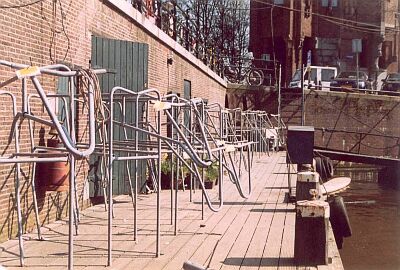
column 311, row 233
column 306, row 180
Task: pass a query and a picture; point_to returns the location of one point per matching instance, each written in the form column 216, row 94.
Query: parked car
column 347, row 81
column 390, row 84
column 318, row 78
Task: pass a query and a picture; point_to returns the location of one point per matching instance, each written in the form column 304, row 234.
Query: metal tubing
column 71, row 125
column 136, row 171
column 57, row 124
column 159, row 186
column 71, row 213
column 51, row 69
column 110, row 184
column 17, row 175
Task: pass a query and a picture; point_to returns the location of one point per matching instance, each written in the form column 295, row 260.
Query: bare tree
column 221, row 26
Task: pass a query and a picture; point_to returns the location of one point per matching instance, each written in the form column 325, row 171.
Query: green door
column 127, row 65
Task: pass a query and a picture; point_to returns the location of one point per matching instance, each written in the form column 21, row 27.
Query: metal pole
column 159, row 184
column 302, row 96
column 110, row 173
column 71, row 212
column 176, row 192
column 71, row 87
column 35, row 205
column 173, row 112
column 135, row 195
column 128, row 169
column 17, row 182
column 358, row 68
column 279, row 98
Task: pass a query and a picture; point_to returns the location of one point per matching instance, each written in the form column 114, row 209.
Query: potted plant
column 165, row 172
column 166, row 168
column 211, row 175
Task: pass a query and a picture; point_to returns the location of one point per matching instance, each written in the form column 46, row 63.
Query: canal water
column 374, row 212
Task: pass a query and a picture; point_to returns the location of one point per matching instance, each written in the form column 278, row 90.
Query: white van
column 318, row 78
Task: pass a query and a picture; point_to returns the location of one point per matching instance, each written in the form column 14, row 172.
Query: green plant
column 212, row 172
column 166, row 166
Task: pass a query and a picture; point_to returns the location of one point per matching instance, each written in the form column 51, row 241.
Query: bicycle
column 250, row 74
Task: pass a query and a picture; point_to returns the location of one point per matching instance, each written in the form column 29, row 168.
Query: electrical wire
column 21, row 5
column 54, row 31
column 353, row 27
column 88, row 79
column 377, row 27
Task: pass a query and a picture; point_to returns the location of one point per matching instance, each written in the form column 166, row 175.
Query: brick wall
column 354, row 112
column 26, row 37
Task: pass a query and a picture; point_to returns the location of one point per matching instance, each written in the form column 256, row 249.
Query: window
column 278, row 2
column 327, row 74
column 307, row 8
column 312, row 77
column 329, row 3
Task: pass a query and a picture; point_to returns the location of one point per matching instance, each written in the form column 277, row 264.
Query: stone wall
column 359, row 113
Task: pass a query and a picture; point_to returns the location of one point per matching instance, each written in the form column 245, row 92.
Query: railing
column 177, row 22
column 346, row 89
column 250, row 71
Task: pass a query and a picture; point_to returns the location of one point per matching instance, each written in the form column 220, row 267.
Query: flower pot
column 208, row 184
column 53, row 176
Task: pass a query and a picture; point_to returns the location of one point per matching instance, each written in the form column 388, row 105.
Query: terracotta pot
column 53, row 176
column 208, row 184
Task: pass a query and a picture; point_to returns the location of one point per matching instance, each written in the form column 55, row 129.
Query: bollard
column 306, row 181
column 311, row 233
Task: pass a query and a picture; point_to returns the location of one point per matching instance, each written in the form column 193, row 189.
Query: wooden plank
column 191, row 248
column 99, row 56
column 232, row 256
column 136, row 66
column 138, row 262
column 243, row 210
column 140, row 69
column 264, row 219
column 123, row 61
column 256, row 248
column 111, row 63
column 118, row 67
column 105, row 58
column 129, row 66
column 286, row 260
column 271, row 254
column 237, row 257
column 145, row 66
column 186, row 225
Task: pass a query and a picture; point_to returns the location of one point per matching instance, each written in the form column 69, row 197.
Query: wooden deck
column 257, row 233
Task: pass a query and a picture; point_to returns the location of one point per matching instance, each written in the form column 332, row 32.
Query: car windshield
column 394, row 77
column 296, row 76
column 351, row 75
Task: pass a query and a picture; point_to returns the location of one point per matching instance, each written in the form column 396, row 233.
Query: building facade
column 83, row 34
column 327, row 28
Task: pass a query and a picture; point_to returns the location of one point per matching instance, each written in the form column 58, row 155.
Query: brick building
column 82, row 33
column 327, row 28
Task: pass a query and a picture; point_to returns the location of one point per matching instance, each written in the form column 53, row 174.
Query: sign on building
column 356, row 45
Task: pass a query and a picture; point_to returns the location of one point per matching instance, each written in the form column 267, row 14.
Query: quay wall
column 61, row 31
column 362, row 123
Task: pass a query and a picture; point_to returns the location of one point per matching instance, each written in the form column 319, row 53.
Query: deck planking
column 253, row 233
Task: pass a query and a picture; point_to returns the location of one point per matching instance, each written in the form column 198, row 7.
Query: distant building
column 327, row 28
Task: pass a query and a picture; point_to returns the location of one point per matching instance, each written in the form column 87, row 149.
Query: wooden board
column 335, row 185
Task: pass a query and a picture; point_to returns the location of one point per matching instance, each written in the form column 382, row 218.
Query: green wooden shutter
column 127, row 63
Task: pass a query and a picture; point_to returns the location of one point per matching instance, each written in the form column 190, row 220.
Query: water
column 374, row 213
